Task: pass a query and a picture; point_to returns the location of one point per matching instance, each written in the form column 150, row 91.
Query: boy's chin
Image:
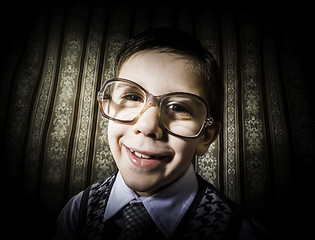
column 144, row 186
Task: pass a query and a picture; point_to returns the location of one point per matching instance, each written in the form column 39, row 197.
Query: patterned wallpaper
column 55, row 139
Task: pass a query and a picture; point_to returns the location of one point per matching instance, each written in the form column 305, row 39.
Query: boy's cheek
column 114, row 132
column 184, row 149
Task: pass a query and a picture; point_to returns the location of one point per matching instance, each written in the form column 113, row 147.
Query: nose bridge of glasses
column 152, row 101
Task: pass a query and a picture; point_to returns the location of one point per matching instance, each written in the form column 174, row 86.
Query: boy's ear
column 207, row 137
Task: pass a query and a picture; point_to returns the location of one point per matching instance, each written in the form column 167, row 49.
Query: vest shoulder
column 100, row 191
column 99, row 186
column 210, row 215
column 94, row 204
column 208, row 191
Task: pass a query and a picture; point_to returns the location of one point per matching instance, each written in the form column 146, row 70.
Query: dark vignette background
column 290, row 216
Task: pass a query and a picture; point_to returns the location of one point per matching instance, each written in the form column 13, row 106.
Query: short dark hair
column 172, row 40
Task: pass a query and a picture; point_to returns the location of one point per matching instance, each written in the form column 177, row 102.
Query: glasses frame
column 153, row 101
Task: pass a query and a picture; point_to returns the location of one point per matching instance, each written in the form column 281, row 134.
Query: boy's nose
column 149, row 124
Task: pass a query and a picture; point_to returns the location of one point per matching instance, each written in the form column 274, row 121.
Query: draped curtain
column 55, row 140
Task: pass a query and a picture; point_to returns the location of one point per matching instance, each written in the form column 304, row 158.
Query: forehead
column 162, row 73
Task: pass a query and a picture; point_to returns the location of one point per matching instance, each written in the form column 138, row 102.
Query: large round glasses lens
column 122, row 100
column 183, row 114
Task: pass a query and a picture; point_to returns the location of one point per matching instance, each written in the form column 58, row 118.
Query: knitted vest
column 210, row 216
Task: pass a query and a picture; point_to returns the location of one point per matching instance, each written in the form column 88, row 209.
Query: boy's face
column 170, row 156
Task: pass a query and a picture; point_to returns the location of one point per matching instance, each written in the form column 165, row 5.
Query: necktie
column 138, row 223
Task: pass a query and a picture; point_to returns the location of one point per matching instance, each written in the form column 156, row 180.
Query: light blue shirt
column 166, row 207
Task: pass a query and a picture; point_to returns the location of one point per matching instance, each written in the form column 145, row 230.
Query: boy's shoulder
column 93, row 204
column 211, row 214
column 208, row 194
column 101, row 189
column 97, row 194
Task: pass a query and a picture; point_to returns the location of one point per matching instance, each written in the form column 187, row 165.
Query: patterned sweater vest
column 210, row 216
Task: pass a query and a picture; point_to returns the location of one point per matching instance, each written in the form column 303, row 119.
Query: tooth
column 137, row 154
column 142, row 155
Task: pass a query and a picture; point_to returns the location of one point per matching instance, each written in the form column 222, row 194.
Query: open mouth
column 144, row 159
column 144, row 156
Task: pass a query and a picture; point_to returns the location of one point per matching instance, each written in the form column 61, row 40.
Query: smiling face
column 148, row 158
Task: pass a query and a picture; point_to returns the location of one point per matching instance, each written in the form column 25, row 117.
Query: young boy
column 164, row 107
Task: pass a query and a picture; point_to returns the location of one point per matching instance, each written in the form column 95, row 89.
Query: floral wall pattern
column 55, row 140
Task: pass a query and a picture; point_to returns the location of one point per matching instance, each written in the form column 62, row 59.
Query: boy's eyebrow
column 119, row 86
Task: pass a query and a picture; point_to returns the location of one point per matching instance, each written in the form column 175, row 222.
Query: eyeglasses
column 182, row 114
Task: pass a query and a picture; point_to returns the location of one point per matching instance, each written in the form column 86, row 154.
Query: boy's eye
column 133, row 97
column 178, row 108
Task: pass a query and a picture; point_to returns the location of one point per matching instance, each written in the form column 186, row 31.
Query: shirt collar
column 166, row 208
